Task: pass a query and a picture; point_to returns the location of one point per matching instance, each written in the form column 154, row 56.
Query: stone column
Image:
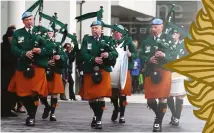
column 15, row 11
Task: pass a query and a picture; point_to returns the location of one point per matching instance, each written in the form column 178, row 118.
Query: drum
column 119, row 71
column 177, row 85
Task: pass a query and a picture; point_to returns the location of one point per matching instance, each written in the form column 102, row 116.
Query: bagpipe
column 108, row 46
column 163, row 45
column 49, row 69
column 104, row 44
column 29, row 72
column 56, row 49
column 40, row 32
column 37, row 40
column 97, row 75
column 63, row 30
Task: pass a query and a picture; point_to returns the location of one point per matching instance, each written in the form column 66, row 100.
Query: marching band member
column 119, row 94
column 97, row 67
column 176, row 106
column 155, row 52
column 53, row 72
column 29, row 80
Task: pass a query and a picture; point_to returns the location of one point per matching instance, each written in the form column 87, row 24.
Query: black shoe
column 172, row 119
column 52, row 117
column 114, row 115
column 175, row 122
column 30, row 121
column 64, row 99
column 46, row 112
column 98, row 125
column 93, row 122
column 73, row 99
column 122, row 120
column 157, row 128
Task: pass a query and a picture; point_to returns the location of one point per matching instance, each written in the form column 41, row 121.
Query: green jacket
column 133, row 51
column 60, row 64
column 22, row 42
column 91, row 48
column 150, row 45
column 180, row 50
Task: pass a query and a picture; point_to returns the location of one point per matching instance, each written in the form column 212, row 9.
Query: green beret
column 121, row 27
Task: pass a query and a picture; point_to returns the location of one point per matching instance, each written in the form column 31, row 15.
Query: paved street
column 76, row 117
